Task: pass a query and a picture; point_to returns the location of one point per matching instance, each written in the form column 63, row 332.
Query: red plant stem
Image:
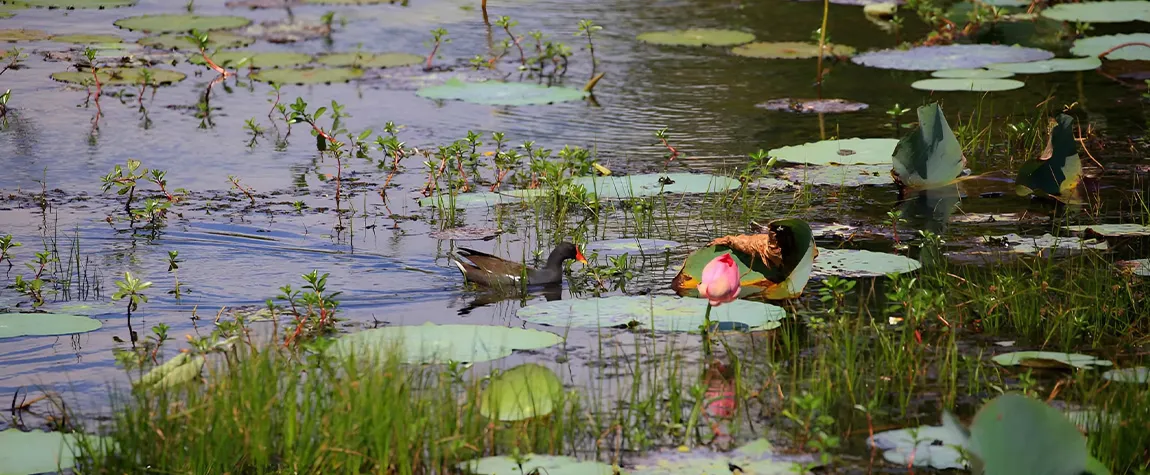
column 338, row 162
column 215, row 67
column 674, row 153
column 459, row 166
column 434, row 49
column 522, row 56
column 1123, row 45
column 274, row 104
column 499, row 179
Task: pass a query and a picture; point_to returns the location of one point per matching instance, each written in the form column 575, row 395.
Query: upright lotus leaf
column 925, row 446
column 812, row 106
column 1015, row 434
column 1058, row 170
column 1096, row 45
column 525, row 391
column 930, row 156
column 74, row 4
column 181, row 42
column 18, row 35
column 1049, row 359
column 957, row 56
column 36, row 451
column 181, row 369
column 537, row 464
column 83, row 39
column 180, row 23
column 1049, row 66
column 431, row 343
column 657, row 312
column 972, row 73
column 634, row 246
column 45, row 324
column 308, row 75
column 844, row 151
column 757, row 457
column 856, row 263
column 653, row 184
column 790, row 50
column 697, row 37
column 779, row 262
column 369, row 60
column 967, row 85
column 1100, row 12
column 122, row 76
column 1110, row 230
column 498, row 93
column 255, row 59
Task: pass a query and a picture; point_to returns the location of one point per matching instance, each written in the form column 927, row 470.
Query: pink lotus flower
column 720, row 283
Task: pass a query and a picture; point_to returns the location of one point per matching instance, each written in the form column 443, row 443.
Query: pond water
column 236, row 255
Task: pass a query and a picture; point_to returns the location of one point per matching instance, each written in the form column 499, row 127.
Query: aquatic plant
column 588, row 28
column 438, row 38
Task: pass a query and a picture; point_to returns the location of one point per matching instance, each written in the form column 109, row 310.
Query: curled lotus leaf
column 1110, row 230
column 929, row 156
column 15, row 35
column 1137, row 374
column 925, row 446
column 431, row 343
column 1049, row 359
column 757, row 457
column 45, row 324
column 308, row 75
column 83, row 39
column 535, row 463
column 75, row 4
column 180, row 23
column 1100, row 12
column 809, row 106
column 1058, row 170
column 633, row 246
column 42, row 452
column 1049, row 66
column 181, row 42
column 790, row 50
column 697, row 37
column 1096, row 45
column 839, row 175
column 523, row 392
column 960, row 56
column 858, row 263
column 255, row 59
column 853, row 151
column 369, row 60
column 971, row 73
column 121, row 76
column 967, row 85
column 776, row 263
column 499, row 93
column 657, row 312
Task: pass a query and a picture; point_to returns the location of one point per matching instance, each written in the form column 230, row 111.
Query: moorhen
column 491, row 271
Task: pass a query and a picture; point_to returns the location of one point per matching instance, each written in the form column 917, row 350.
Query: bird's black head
column 563, row 252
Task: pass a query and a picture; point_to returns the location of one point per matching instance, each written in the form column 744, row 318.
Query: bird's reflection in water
column 489, row 297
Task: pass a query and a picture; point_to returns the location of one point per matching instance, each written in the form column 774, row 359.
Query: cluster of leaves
column 33, row 287
column 313, row 308
column 125, row 179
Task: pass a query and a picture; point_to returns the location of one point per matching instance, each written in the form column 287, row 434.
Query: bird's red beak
column 579, row 256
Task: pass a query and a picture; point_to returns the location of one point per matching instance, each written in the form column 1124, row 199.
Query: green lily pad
column 925, row 446
column 525, row 391
column 346, row 2
column 1139, row 267
column 1049, row 66
column 790, row 50
column 812, row 106
column 697, row 37
column 1018, row 434
column 482, row 199
column 17, row 35
column 652, row 184
column 369, row 60
column 856, row 263
column 845, row 152
column 181, row 369
column 308, row 75
column 87, row 39
column 1111, row 230
column 1042, row 359
column 930, row 156
column 431, row 343
column 1041, row 244
column 31, row 452
column 541, row 464
column 957, row 56
column 971, row 73
column 1096, row 45
column 499, row 93
column 757, row 458
column 632, row 246
column 7, row 10
column 121, row 76
column 1137, row 374
column 181, row 42
column 256, row 59
column 968, row 85
column 180, row 23
column 839, row 175
column 657, row 312
column 75, row 4
column 779, row 277
column 290, row 30
column 1058, row 170
column 1100, row 12
column 45, row 324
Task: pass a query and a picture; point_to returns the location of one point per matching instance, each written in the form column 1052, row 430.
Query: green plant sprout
column 438, row 38
column 507, row 23
column 587, row 28
column 6, row 246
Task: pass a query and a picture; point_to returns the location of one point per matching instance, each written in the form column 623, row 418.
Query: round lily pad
column 369, row 60
column 970, row 85
column 976, row 73
column 307, row 75
column 346, row 2
column 87, row 39
column 121, row 76
column 466, row 233
column 840, row 175
column 500, row 93
column 697, row 37
column 1138, row 374
column 859, row 263
column 632, row 246
column 1043, row 359
column 535, row 463
column 809, row 106
column 44, row 324
column 288, row 31
column 181, row 42
column 173, row 23
column 651, row 184
column 846, row 151
column 926, row 446
column 431, row 343
column 481, row 199
column 658, row 312
column 40, row 452
column 257, row 60
column 790, row 50
column 1049, row 66
column 757, row 457
column 523, row 392
column 8, row 11
column 1097, row 45
column 961, row 56
column 1100, row 12
column 1111, row 230
column 1040, row 244
column 17, row 35
column 74, row 4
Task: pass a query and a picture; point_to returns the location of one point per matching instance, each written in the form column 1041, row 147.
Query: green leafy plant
column 6, row 246
column 313, row 308
column 507, row 23
column 438, row 38
column 588, row 28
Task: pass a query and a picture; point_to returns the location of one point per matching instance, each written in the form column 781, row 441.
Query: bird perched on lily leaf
column 1058, row 171
column 776, row 264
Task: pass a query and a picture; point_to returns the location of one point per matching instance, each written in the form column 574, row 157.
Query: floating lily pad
column 308, row 75
column 926, row 446
column 961, row 56
column 41, row 452
column 369, row 60
column 466, row 233
column 182, row 23
column 757, row 457
column 1059, row 169
column 1100, row 12
column 523, row 392
column 256, row 59
column 481, row 199
column 499, row 93
column 1049, row 66
column 652, row 184
column 930, row 155
column 657, row 312
column 859, row 263
column 346, row 2
column 1111, row 230
column 431, row 343
column 45, row 324
column 1018, row 434
column 1096, row 45
column 74, row 4
column 839, row 175
column 986, row 218
column 178, row 370
column 258, row 4
column 181, row 42
column 846, row 152
column 1041, row 244
column 968, row 85
column 1139, row 267
column 541, row 464
column 976, row 73
column 8, row 11
column 790, row 50
column 633, row 246
column 288, row 31
column 121, row 76
column 18, row 35
column 809, row 106
column 87, row 39
column 1043, row 359
column 1138, row 374
column 697, row 37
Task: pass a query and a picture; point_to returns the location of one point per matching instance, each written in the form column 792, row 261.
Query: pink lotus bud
column 720, row 283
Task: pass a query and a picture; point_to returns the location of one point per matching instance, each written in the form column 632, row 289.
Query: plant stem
column 822, row 44
column 706, row 333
